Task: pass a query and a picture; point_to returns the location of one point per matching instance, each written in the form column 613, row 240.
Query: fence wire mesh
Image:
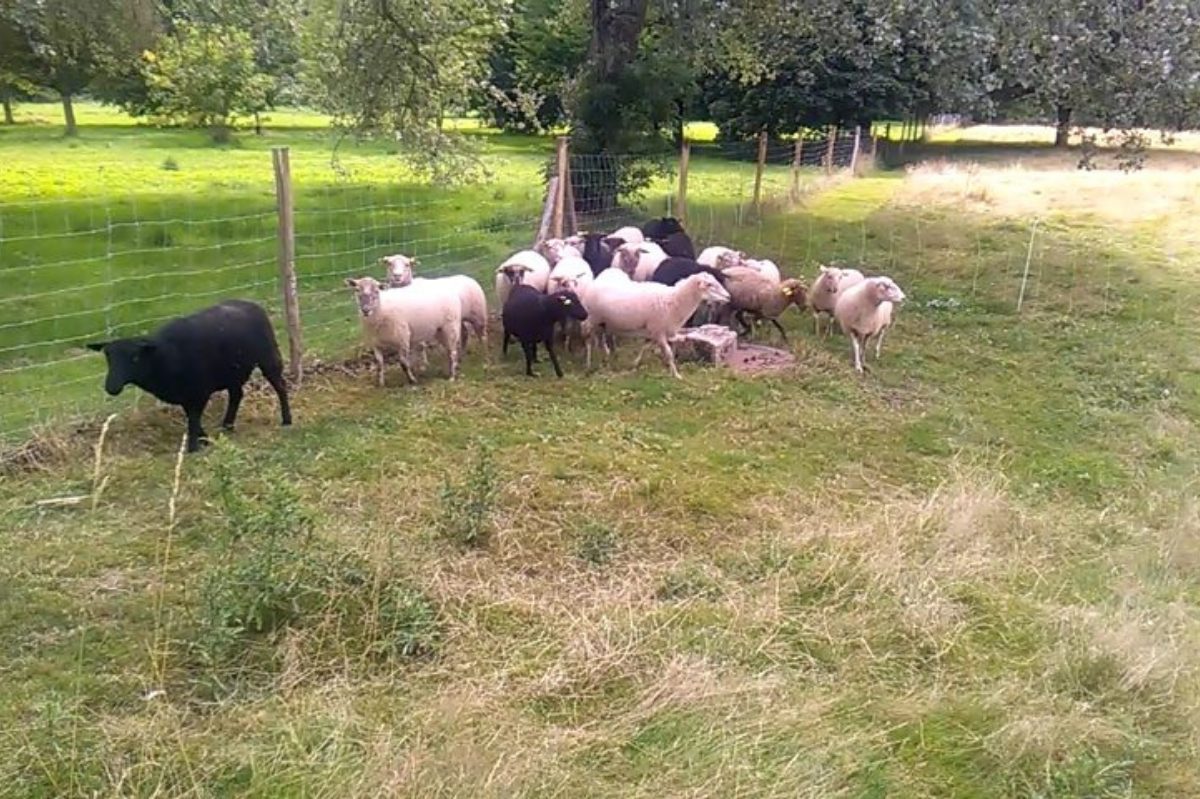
column 78, row 267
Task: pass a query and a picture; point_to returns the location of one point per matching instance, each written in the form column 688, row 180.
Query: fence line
column 80, row 269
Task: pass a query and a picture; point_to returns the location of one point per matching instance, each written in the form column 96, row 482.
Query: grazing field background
column 971, row 573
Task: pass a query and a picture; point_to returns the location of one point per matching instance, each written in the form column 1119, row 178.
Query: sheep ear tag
column 566, row 302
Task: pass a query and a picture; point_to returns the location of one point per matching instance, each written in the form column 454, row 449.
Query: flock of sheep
column 646, row 283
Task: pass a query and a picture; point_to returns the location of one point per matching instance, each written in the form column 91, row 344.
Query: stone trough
column 719, row 345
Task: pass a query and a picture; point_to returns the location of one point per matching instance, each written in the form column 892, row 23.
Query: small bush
column 467, row 508
column 275, row 573
column 169, row 164
column 597, row 544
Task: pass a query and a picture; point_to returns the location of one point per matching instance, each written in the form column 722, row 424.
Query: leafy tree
column 17, row 70
column 533, row 64
column 74, row 41
column 397, row 67
column 204, row 74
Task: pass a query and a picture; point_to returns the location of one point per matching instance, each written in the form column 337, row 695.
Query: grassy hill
column 971, row 573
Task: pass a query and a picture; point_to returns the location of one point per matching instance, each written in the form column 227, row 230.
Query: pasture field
column 973, row 573
column 126, row 226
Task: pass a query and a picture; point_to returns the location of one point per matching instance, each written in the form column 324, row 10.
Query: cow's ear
column 97, row 346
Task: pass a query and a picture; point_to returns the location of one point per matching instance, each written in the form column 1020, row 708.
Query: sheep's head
column 554, row 250
column 712, row 289
column 130, row 360
column 366, row 292
column 577, row 241
column 399, row 270
column 563, row 283
column 569, row 305
column 827, row 281
column 514, row 273
column 732, row 258
column 884, row 289
column 628, row 256
column 795, row 291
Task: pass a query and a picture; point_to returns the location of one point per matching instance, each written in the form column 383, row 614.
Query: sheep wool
column 399, row 319
column 823, row 295
column 757, row 295
column 527, row 267
column 651, row 311
column 864, row 311
column 721, row 258
column 628, row 234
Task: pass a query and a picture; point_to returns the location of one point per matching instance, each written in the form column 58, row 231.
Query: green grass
column 125, row 226
column 970, row 574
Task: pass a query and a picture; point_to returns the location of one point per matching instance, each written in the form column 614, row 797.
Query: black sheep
column 598, row 249
column 679, row 245
column 659, row 229
column 188, row 359
column 530, row 316
column 673, row 270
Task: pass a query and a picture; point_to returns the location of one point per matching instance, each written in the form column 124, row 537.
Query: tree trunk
column 257, row 124
column 1062, row 130
column 616, row 27
column 8, row 111
column 69, row 115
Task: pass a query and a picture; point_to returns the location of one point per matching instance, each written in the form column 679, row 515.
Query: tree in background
column 205, row 74
column 17, row 69
column 397, row 68
column 533, row 63
column 74, row 41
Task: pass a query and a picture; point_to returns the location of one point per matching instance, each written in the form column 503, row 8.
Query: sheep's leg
column 530, row 349
column 231, row 408
column 507, row 338
column 587, row 350
column 817, row 323
column 856, row 347
column 379, row 365
column 449, row 337
column 638, row 360
column 879, row 343
column 669, row 357
column 549, row 342
column 740, row 316
column 779, row 327
column 196, row 437
column 275, row 377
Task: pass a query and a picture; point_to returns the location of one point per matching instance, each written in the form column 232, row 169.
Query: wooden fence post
column 831, row 134
column 560, row 196
column 685, row 154
column 570, row 221
column 854, row 155
column 287, row 259
column 797, row 156
column 758, row 171
column 543, row 231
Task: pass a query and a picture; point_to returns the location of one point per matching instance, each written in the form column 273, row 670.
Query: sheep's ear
column 351, row 282
column 614, row 241
column 414, row 261
column 97, row 346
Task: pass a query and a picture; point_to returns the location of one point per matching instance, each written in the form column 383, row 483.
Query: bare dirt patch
column 750, row 359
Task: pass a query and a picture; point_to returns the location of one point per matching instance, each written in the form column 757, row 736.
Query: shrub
column 597, row 543
column 467, row 508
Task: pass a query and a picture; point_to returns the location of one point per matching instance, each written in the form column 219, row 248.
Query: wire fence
column 81, row 269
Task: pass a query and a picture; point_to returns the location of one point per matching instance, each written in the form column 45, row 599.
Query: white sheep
column 764, row 267
column 473, row 304
column 525, row 267
column 649, row 310
column 864, row 310
column 572, row 274
column 823, row 295
column 398, row 319
column 398, row 269
column 554, row 250
column 629, row 235
column 721, row 258
column 650, row 258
